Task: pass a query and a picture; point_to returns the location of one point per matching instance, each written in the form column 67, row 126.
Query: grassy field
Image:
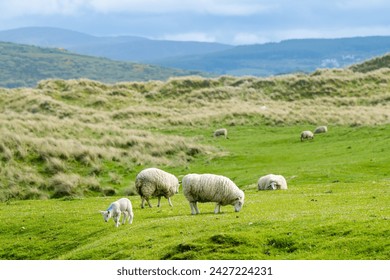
column 336, row 206
column 70, row 148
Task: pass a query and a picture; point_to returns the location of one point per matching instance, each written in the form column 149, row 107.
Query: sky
column 235, row 22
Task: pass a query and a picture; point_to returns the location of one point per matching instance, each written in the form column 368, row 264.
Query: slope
column 24, row 66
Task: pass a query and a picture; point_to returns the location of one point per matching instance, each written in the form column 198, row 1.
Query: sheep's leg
column 147, row 200
column 142, row 202
column 116, row 219
column 217, row 208
column 194, row 208
column 170, row 202
column 131, row 217
column 159, row 201
column 124, row 217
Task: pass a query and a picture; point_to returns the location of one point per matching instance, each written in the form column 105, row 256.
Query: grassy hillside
column 69, row 148
column 372, row 64
column 24, row 66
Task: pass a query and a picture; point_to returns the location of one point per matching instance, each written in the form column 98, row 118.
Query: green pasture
column 336, row 205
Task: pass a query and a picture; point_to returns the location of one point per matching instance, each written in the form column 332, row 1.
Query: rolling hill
column 301, row 55
column 68, row 148
column 290, row 56
column 25, row 65
column 124, row 48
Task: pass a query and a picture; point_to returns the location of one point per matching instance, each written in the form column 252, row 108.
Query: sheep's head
column 272, row 186
column 177, row 187
column 106, row 215
column 238, row 203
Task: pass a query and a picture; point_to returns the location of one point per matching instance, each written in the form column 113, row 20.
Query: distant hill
column 303, row 55
column 290, row 56
column 125, row 48
column 24, row 66
column 372, row 64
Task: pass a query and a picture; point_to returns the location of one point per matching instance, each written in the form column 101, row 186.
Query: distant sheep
column 321, row 129
column 211, row 188
column 306, row 135
column 115, row 209
column 272, row 182
column 154, row 182
column 221, row 132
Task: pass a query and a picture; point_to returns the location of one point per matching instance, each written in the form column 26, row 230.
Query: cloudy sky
column 227, row 21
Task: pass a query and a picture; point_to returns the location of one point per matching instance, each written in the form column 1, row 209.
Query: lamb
column 211, row 188
column 157, row 183
column 221, row 132
column 115, row 209
column 321, row 129
column 272, row 182
column 307, row 134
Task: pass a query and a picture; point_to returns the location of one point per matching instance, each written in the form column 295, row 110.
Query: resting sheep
column 272, row 182
column 154, row 182
column 211, row 188
column 321, row 129
column 221, row 132
column 115, row 209
column 307, row 134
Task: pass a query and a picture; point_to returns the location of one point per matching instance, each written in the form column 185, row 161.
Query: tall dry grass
column 67, row 138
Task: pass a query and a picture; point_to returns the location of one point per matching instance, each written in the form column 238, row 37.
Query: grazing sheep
column 306, row 135
column 272, row 182
column 321, row 129
column 221, row 132
column 157, row 183
column 115, row 209
column 211, row 188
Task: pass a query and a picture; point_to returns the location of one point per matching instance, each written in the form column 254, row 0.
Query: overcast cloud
column 226, row 21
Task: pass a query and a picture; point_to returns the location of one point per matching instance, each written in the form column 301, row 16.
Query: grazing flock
column 154, row 182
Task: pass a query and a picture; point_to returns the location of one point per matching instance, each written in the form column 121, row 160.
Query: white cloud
column 248, row 39
column 68, row 7
column 191, row 36
column 17, row 8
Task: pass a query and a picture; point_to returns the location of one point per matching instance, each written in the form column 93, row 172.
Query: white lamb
column 154, row 182
column 221, row 132
column 272, row 182
column 307, row 134
column 321, row 129
column 211, row 188
column 115, row 209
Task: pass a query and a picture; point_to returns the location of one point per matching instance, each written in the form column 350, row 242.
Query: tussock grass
column 83, row 128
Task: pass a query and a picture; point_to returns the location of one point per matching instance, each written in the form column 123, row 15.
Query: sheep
column 157, row 183
column 272, row 182
column 221, row 132
column 321, row 129
column 115, row 209
column 307, row 134
column 211, row 188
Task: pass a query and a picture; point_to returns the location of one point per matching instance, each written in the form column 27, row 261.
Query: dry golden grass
column 57, row 139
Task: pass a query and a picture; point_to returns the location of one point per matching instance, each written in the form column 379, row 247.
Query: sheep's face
column 106, row 215
column 177, row 188
column 238, row 204
column 272, row 186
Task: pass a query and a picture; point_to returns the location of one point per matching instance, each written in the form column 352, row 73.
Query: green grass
column 336, row 206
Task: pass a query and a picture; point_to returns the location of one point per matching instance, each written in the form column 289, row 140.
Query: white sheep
column 115, row 209
column 154, row 182
column 221, row 132
column 321, row 129
column 211, row 188
column 272, row 182
column 307, row 134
